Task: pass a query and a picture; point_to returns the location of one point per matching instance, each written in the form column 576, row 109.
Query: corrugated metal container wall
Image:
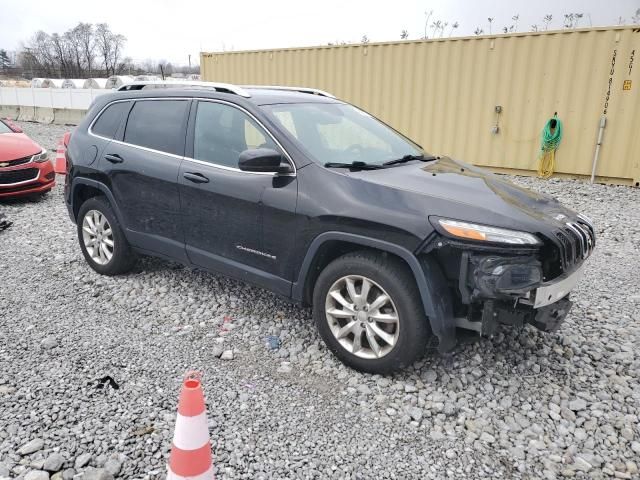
column 443, row 93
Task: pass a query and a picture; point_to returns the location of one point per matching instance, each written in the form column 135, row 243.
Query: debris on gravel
column 522, row 404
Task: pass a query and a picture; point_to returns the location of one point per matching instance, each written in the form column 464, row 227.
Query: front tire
column 367, row 308
column 102, row 240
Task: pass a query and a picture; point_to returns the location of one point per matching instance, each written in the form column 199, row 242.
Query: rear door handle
column 195, row 177
column 113, row 158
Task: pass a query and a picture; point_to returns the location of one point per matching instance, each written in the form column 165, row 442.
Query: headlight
column 484, row 233
column 43, row 156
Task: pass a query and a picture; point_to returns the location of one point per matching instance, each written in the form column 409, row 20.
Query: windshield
column 4, row 128
column 340, row 133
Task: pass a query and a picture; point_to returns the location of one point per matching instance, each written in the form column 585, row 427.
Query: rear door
column 142, row 164
column 239, row 223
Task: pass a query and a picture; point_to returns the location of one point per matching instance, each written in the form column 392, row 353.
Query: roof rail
column 313, row 91
column 219, row 87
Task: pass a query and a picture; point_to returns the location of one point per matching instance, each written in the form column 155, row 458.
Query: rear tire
column 102, row 240
column 368, row 311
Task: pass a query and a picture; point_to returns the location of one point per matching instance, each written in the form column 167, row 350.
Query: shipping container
column 481, row 99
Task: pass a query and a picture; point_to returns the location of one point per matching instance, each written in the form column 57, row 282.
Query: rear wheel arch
column 82, row 193
column 86, row 188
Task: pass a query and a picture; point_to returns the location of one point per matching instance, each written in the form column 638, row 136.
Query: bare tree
column 490, row 20
column 404, row 35
column 165, row 68
column 83, row 32
column 534, row 28
column 109, row 46
column 364, row 39
column 635, row 19
column 478, row 31
column 72, row 54
column 4, row 60
column 547, row 20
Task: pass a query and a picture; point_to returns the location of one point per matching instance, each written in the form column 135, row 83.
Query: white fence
column 69, row 98
column 47, row 105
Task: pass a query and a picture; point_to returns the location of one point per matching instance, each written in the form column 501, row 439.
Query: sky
column 173, row 29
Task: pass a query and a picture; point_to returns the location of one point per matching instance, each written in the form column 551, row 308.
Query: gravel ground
column 521, row 405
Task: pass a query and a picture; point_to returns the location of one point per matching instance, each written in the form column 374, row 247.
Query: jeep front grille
column 578, row 240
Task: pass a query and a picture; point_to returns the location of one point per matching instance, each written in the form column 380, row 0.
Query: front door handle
column 113, row 158
column 195, row 177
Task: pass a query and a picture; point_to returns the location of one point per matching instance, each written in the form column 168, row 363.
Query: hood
column 460, row 191
column 17, row 145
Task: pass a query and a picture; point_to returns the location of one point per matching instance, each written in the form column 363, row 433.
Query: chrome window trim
column 190, row 159
column 37, row 177
column 147, row 149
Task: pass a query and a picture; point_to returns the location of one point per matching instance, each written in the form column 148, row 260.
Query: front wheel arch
column 431, row 282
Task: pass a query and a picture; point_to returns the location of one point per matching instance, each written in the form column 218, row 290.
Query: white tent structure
column 95, row 83
column 73, row 83
column 146, row 78
column 115, row 81
column 52, row 83
column 36, row 82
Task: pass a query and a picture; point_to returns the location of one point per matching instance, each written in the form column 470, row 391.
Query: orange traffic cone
column 61, row 162
column 191, row 450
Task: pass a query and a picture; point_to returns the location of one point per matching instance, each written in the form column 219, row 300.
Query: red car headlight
column 41, row 157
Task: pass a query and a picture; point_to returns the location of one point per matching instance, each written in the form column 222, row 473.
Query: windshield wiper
column 354, row 165
column 408, row 158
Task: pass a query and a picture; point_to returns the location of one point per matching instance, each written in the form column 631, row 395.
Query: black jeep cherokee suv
column 310, row 197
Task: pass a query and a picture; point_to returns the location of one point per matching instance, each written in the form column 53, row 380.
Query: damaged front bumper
column 488, row 288
column 512, row 291
column 547, row 318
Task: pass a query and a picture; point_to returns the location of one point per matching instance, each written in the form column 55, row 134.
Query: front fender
column 434, row 291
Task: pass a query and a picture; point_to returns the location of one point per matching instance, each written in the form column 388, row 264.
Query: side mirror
column 263, row 160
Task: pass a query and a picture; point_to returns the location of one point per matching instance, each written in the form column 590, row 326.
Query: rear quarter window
column 158, row 124
column 109, row 120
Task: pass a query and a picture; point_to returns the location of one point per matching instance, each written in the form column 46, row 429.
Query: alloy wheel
column 98, row 237
column 362, row 317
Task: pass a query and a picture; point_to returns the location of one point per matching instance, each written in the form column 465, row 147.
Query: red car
column 25, row 168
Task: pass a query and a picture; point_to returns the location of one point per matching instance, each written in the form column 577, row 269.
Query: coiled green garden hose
column 549, row 142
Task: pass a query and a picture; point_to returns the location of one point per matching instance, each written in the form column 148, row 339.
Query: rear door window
column 158, row 124
column 109, row 120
